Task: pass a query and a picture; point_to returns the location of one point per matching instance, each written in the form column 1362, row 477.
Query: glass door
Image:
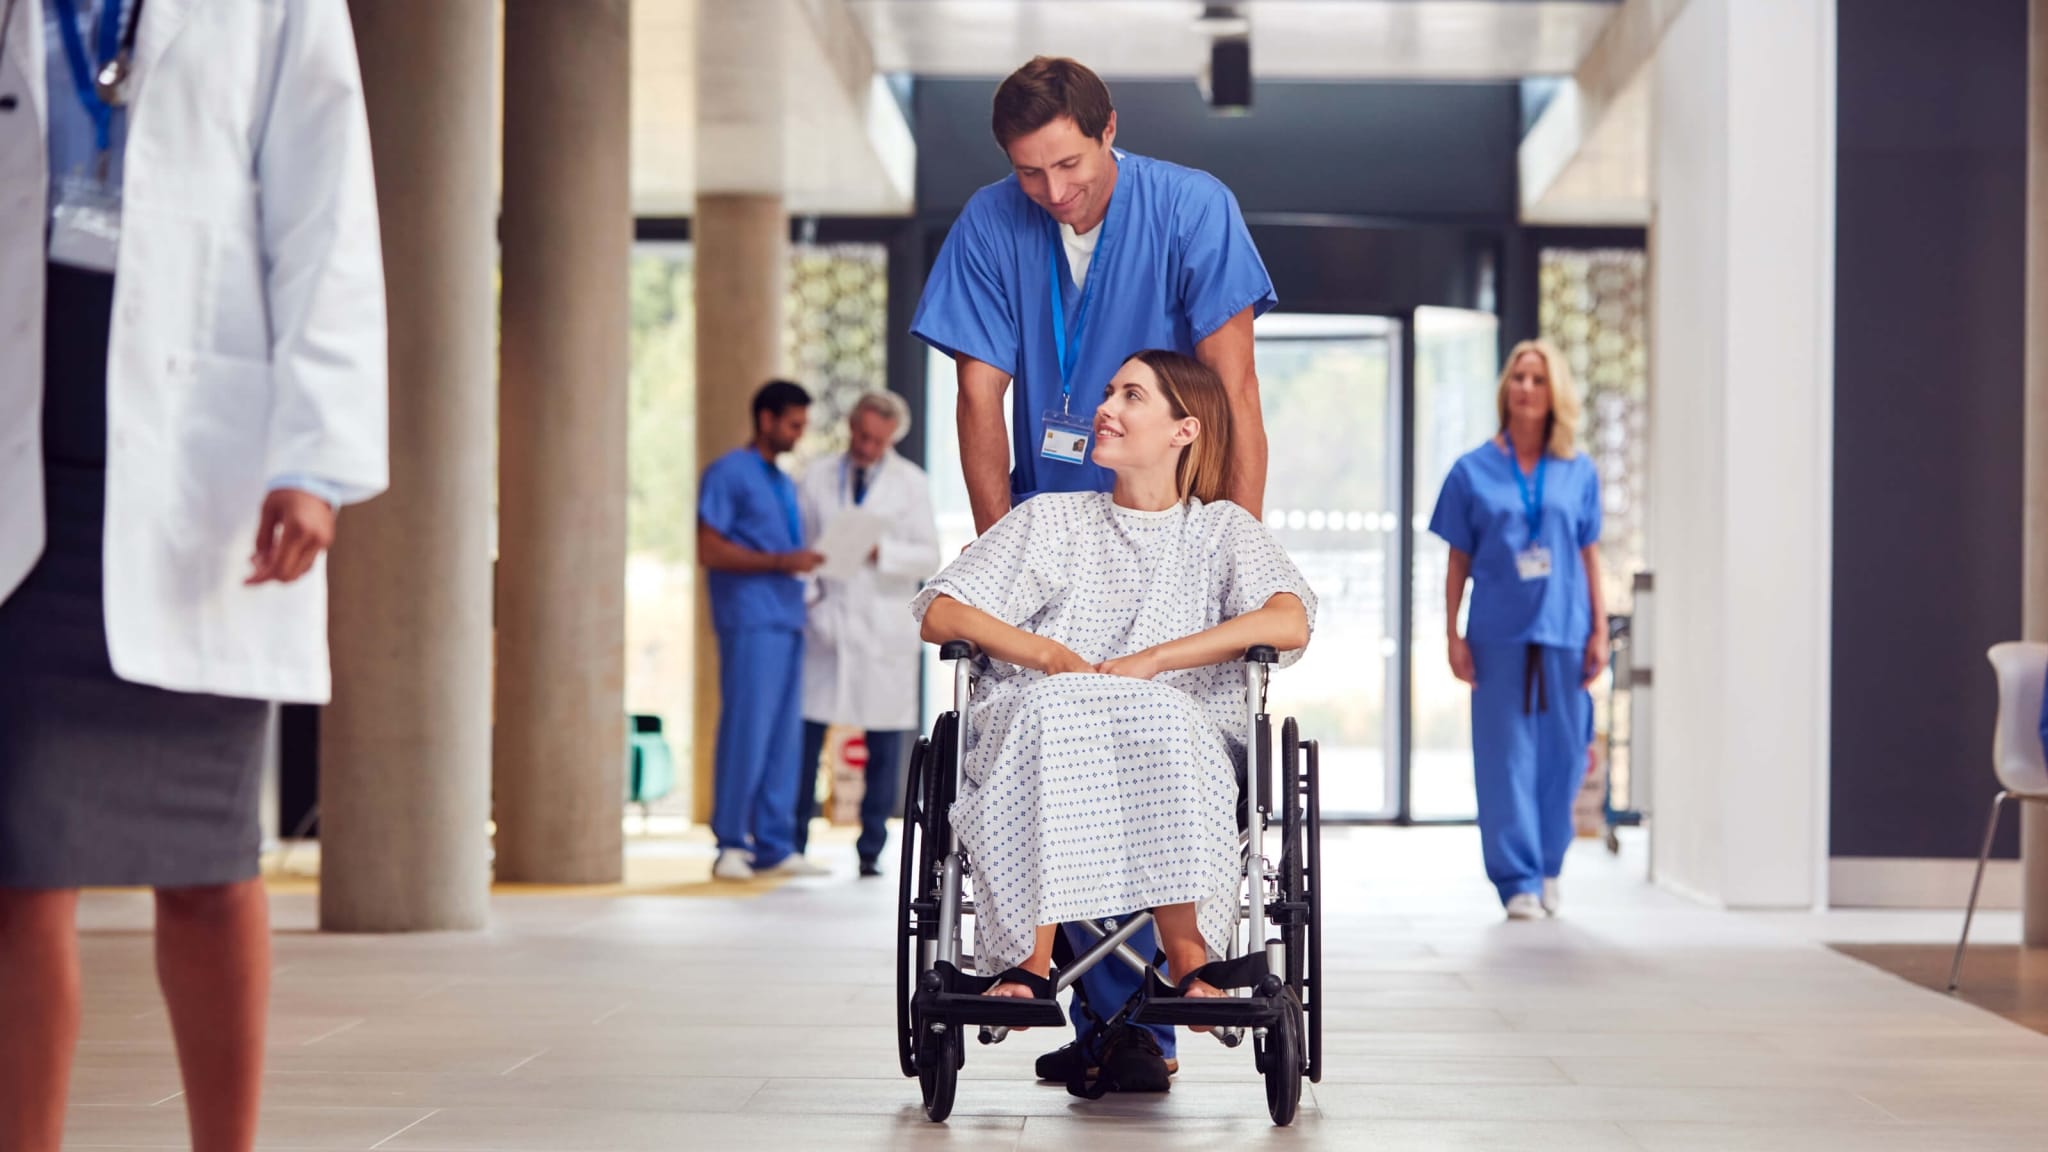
column 1457, row 354
column 1330, row 391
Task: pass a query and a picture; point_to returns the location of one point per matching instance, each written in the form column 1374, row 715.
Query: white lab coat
column 861, row 647
column 248, row 331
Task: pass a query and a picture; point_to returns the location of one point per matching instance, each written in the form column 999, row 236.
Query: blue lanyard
column 785, row 495
column 82, row 71
column 1532, row 502
column 1069, row 353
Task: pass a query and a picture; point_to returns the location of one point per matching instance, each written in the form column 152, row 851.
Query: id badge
column 1533, row 562
column 1066, row 438
column 85, row 224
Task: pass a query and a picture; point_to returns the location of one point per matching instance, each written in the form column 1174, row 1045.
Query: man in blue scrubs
column 750, row 537
column 1052, row 278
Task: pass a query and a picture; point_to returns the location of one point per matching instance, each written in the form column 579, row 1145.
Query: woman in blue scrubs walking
column 1521, row 514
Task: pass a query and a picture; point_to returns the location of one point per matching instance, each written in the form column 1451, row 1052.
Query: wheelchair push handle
column 1262, row 654
column 956, row 650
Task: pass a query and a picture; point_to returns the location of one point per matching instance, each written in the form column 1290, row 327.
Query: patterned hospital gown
column 1087, row 795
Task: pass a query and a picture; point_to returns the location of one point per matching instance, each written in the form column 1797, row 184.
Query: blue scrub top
column 1480, row 513
column 751, row 502
column 1175, row 262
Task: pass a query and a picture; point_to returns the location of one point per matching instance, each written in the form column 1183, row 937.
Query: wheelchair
column 1272, row 970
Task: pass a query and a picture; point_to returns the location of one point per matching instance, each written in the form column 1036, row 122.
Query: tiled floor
column 1637, row 1022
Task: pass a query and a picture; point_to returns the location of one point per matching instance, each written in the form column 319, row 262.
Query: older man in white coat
column 861, row 647
column 192, row 382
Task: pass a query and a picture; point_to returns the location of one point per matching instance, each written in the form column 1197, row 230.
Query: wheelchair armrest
column 1262, row 654
column 956, row 650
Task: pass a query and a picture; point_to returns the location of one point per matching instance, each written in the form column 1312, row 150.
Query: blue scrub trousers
column 1107, row 986
column 877, row 800
column 760, row 728
column 1528, row 759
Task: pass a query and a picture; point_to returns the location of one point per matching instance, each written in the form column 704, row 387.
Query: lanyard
column 113, row 49
column 1071, row 352
column 1532, row 502
column 785, row 495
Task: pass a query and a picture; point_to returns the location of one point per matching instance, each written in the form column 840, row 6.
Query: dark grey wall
column 1406, row 151
column 1929, row 344
column 1361, row 197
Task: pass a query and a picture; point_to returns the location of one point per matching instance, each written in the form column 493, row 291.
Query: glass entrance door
column 1330, row 392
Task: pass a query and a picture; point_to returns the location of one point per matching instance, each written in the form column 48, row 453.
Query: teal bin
column 650, row 766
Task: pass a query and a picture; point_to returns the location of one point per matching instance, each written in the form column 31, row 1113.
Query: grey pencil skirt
column 103, row 782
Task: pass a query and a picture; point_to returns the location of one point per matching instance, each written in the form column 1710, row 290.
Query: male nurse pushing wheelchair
column 1052, row 278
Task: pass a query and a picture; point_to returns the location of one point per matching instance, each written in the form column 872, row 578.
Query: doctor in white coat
column 861, row 647
column 192, row 383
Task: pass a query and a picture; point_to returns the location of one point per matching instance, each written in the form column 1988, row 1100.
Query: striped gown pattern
column 1085, row 795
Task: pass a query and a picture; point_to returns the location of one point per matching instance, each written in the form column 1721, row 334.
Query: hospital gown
column 1086, row 795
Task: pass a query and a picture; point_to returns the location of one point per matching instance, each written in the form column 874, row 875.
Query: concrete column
column 405, row 748
column 1744, row 266
column 567, row 232
column 2033, row 819
column 742, row 244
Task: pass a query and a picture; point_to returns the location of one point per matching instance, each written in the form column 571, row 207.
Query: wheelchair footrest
column 1210, row 1012
column 947, row 995
column 994, row 1011
column 1161, row 1003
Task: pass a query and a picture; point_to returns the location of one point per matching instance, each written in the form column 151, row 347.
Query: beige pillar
column 2033, row 818
column 742, row 245
column 405, row 748
column 567, row 230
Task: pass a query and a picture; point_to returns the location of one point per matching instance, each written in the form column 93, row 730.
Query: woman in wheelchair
column 1108, row 722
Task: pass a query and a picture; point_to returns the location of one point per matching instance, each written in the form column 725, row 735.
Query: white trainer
column 1553, row 899
column 799, row 867
column 732, row 865
column 1525, row 906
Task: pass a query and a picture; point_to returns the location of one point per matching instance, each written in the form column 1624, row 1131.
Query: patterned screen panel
column 1595, row 308
column 838, row 318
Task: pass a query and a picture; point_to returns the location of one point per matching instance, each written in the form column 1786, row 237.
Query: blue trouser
column 1105, row 987
column 1530, row 716
column 760, row 727
column 877, row 801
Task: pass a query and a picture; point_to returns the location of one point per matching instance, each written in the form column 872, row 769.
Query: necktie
column 860, row 485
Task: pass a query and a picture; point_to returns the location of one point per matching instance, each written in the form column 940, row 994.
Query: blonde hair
column 1192, row 388
column 1565, row 408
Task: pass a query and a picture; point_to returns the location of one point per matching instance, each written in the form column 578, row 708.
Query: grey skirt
column 103, row 782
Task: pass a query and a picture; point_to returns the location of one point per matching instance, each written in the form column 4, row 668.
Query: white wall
column 1743, row 267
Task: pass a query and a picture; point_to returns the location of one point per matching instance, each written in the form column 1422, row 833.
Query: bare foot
column 1010, row 991
column 1202, row 990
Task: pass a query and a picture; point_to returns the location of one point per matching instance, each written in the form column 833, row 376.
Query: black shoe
column 1137, row 1062
column 870, row 866
column 1059, row 1066
column 1132, row 1062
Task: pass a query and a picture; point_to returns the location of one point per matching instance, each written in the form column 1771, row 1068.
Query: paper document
column 847, row 540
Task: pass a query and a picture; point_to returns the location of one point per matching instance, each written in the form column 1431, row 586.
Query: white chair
column 2016, row 755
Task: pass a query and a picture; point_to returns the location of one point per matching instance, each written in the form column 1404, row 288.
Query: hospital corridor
column 646, row 575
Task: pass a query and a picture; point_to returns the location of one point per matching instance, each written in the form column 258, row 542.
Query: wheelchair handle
column 1262, row 654
column 956, row 650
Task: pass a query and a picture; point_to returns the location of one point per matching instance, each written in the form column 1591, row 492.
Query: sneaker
column 1552, row 898
column 1525, row 906
column 1058, row 1066
column 870, row 867
column 794, row 866
column 732, row 865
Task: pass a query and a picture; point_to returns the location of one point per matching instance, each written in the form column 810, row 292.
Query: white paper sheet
column 847, row 541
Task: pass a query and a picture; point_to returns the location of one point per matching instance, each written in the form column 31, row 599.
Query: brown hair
column 1192, row 388
column 1045, row 90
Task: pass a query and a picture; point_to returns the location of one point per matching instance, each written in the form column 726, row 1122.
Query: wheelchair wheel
column 941, row 1052
column 1280, row 1057
column 908, row 923
column 1312, row 985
